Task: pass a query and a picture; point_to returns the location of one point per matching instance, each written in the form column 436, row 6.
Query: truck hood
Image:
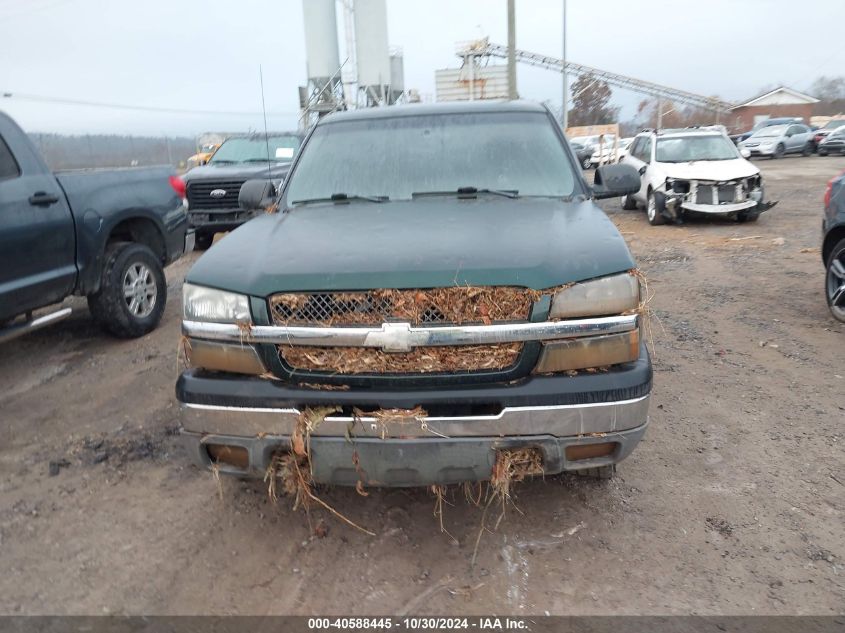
column 425, row 243
column 718, row 170
column 235, row 171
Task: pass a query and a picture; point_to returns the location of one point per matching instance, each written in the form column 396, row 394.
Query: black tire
column 599, row 472
column 655, row 217
column 808, row 149
column 203, row 241
column 752, row 215
column 822, row 152
column 628, row 203
column 834, row 281
column 123, row 316
column 780, row 150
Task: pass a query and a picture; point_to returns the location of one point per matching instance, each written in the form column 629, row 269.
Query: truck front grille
column 422, row 360
column 199, row 194
column 458, row 305
column 455, row 305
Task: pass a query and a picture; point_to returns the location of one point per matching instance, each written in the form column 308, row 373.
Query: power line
column 122, row 106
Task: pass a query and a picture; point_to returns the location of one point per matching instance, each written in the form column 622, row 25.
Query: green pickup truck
column 435, row 286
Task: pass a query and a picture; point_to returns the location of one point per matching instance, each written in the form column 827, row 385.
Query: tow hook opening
column 580, row 452
column 234, row 456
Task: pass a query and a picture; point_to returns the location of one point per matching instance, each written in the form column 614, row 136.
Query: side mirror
column 612, row 181
column 745, row 153
column 256, row 194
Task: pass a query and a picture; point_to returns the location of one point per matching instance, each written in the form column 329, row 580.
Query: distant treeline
column 100, row 150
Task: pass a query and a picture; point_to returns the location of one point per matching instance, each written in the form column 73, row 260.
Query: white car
column 592, row 143
column 610, row 153
column 693, row 171
column 776, row 140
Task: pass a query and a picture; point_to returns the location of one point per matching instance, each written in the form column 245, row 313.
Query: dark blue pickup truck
column 102, row 234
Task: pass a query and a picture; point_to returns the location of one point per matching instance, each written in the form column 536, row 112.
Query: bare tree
column 830, row 91
column 591, row 102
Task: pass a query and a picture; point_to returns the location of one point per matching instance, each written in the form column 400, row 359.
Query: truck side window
column 8, row 165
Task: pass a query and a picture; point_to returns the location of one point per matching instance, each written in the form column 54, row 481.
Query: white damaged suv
column 693, row 171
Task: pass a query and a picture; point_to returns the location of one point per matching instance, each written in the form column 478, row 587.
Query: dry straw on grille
column 367, row 360
column 458, row 304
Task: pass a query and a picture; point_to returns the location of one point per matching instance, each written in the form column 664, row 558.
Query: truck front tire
column 133, row 291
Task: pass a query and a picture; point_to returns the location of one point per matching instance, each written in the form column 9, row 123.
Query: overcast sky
column 204, row 54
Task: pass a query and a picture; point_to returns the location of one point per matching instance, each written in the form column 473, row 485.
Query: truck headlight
column 606, row 296
column 600, row 297
column 208, row 304
column 589, row 352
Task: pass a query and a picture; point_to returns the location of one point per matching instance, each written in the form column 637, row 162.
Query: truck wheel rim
column 652, row 208
column 836, row 285
column 139, row 290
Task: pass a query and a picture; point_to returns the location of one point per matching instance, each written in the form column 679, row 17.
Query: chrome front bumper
column 402, row 337
column 556, row 420
column 418, row 451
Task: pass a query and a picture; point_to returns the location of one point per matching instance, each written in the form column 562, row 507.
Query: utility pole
column 564, row 119
column 511, row 50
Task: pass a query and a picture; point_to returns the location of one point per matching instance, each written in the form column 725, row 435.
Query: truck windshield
column 400, row 156
column 685, row 149
column 254, row 149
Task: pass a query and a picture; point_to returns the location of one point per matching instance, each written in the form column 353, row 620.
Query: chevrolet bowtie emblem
column 394, row 337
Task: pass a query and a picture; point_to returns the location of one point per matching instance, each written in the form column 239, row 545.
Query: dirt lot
column 732, row 505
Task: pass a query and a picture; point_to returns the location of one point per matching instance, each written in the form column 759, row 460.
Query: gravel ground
column 733, row 504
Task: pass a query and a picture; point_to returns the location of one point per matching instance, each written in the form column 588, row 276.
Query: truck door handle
column 42, row 199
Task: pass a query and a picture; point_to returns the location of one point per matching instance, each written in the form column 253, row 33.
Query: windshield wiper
column 220, row 161
column 469, row 192
column 342, row 197
column 261, row 160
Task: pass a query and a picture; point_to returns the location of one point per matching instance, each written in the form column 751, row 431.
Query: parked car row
column 596, row 150
column 778, row 136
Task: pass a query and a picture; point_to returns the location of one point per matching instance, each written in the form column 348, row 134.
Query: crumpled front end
column 728, row 197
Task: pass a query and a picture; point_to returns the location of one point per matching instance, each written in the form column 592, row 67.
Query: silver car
column 776, row 140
